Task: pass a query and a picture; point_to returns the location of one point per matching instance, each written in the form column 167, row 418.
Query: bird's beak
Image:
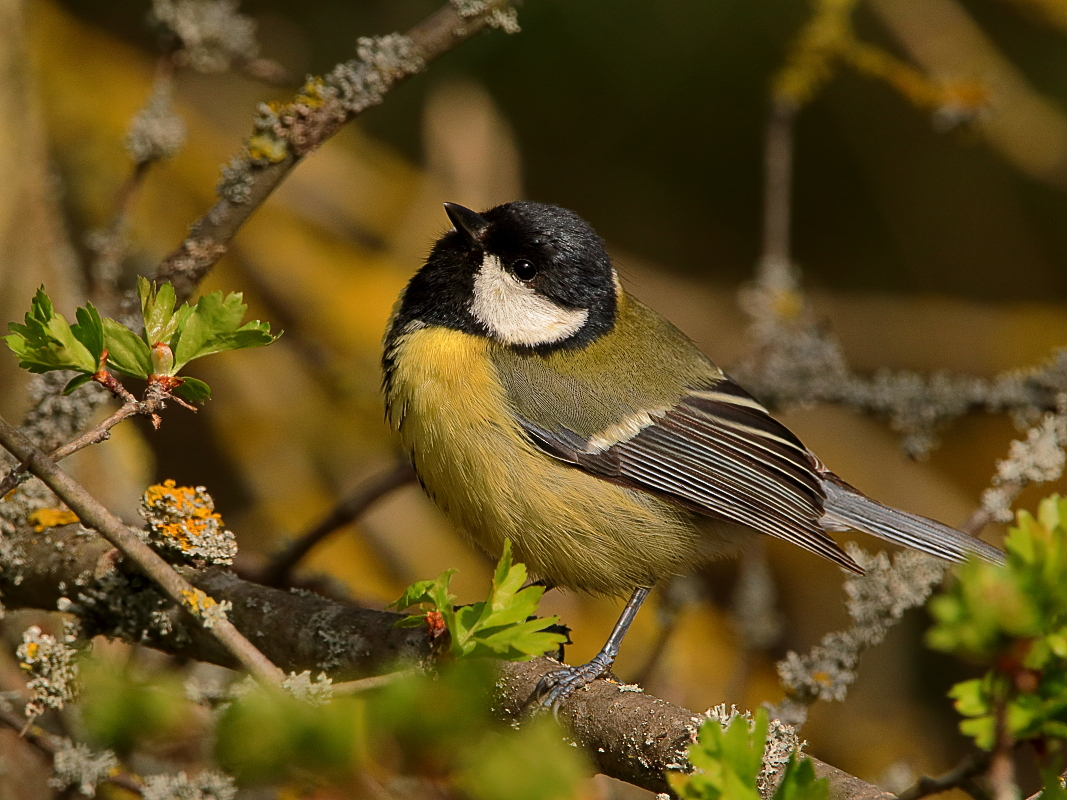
column 470, row 223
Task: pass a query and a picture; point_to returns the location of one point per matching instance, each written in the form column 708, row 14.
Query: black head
column 530, row 275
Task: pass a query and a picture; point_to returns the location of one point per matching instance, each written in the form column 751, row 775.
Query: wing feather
column 719, row 452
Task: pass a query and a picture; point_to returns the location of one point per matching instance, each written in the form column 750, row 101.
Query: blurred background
column 923, row 244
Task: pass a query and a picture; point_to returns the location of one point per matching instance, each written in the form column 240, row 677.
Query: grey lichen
column 236, row 182
column 52, row 669
column 182, row 525
column 316, row 692
column 214, row 35
column 208, row 785
column 501, row 15
column 382, row 61
column 1040, row 458
column 782, row 743
column 876, row 601
column 155, row 132
column 127, row 607
column 78, row 766
column 797, row 361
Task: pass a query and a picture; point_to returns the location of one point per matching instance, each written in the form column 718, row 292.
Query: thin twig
column 1002, row 762
column 155, row 399
column 111, row 243
column 93, row 514
column 98, row 433
column 971, row 766
column 375, row 682
column 778, row 182
column 210, row 235
column 277, row 572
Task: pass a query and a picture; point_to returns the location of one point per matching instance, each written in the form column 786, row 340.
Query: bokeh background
column 922, row 246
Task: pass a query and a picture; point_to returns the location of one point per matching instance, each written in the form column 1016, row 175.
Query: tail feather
column 845, row 507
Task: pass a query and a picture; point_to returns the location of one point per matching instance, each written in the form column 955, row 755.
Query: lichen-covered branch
column 286, row 133
column 74, row 765
column 876, row 602
column 93, row 514
column 628, row 734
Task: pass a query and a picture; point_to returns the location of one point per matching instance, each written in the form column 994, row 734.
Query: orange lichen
column 182, row 519
column 44, row 518
column 30, row 650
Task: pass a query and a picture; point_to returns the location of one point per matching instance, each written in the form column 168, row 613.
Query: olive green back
column 644, row 364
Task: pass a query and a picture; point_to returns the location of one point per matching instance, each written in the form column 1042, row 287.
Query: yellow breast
column 569, row 527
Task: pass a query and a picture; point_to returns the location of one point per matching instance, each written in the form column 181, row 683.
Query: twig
column 50, row 744
column 93, row 514
column 375, row 682
column 278, row 570
column 1002, row 761
column 778, row 182
column 971, row 766
column 210, row 235
column 110, row 244
column 98, row 433
column 155, row 399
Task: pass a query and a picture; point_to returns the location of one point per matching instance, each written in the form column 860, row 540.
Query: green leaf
column 500, row 626
column 1014, row 620
column 89, row 330
column 799, row 782
column 76, row 381
column 214, row 326
column 193, row 390
column 157, row 309
column 126, row 351
column 46, row 342
column 727, row 763
column 533, row 762
column 421, row 591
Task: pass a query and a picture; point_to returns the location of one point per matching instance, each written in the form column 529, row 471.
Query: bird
column 541, row 403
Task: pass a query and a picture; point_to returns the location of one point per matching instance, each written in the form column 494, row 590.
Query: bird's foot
column 558, row 685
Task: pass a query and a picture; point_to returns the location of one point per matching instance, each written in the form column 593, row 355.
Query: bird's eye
column 524, row 270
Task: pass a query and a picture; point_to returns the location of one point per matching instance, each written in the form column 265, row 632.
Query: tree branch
column 93, row 514
column 50, row 745
column 210, row 235
column 277, row 571
column 628, row 734
column 971, row 766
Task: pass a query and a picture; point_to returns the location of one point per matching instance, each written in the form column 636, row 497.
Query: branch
column 50, row 745
column 628, row 734
column 351, row 88
column 778, row 182
column 968, row 769
column 96, row 434
column 93, row 514
column 278, row 570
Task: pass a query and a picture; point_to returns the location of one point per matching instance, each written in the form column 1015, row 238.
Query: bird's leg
column 557, row 686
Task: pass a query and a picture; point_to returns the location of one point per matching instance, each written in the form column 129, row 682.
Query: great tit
column 540, row 402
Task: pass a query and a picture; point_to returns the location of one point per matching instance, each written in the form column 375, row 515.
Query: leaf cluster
column 1013, row 619
column 171, row 338
column 503, row 626
column 436, row 727
column 727, row 762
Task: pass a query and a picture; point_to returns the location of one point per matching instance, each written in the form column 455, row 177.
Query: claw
column 555, row 687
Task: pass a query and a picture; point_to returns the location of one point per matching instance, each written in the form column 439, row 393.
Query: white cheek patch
column 516, row 313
